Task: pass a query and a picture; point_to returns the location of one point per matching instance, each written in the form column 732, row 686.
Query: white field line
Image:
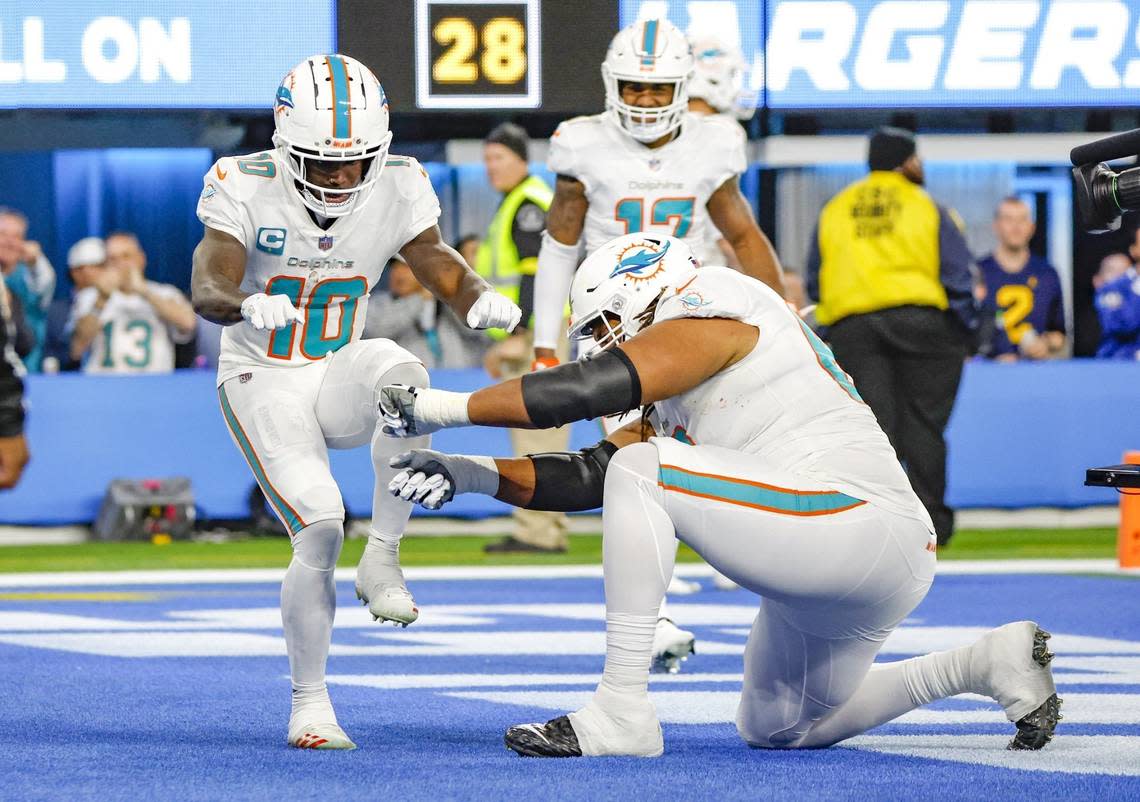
column 71, row 579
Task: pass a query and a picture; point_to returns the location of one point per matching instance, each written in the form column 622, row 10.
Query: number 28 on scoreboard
column 478, row 54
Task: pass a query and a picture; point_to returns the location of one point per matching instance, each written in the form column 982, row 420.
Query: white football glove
column 431, row 478
column 270, row 311
column 412, row 411
column 493, row 311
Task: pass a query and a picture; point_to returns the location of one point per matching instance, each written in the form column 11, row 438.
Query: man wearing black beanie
column 891, row 272
column 508, row 258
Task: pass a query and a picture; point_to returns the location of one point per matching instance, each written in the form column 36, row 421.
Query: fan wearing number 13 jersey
column 295, row 239
column 644, row 165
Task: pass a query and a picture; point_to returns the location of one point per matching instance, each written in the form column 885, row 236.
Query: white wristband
column 475, row 475
column 443, row 408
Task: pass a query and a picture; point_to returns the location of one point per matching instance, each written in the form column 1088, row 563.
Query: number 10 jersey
column 326, row 273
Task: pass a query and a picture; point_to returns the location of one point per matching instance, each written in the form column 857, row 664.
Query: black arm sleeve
column 604, row 384
column 571, row 481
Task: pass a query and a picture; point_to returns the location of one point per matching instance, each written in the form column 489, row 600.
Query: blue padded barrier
column 1021, row 436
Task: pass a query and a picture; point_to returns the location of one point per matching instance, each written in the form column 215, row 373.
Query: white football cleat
column 308, row 734
column 389, row 603
column 671, row 646
column 1011, row 664
column 380, row 585
column 682, row 587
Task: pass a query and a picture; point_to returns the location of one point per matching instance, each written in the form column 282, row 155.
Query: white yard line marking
column 414, row 574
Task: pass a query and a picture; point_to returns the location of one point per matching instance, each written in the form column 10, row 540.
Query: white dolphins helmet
column 620, row 283
column 331, row 109
column 650, row 51
column 719, row 72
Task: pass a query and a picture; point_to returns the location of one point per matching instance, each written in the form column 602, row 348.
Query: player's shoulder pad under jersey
column 571, row 140
column 710, row 291
column 241, row 178
column 722, row 143
column 407, row 175
column 230, row 186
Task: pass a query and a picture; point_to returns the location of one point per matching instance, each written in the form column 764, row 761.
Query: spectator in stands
column 86, row 264
column 409, row 315
column 29, row 277
column 890, row 270
column 124, row 323
column 1117, row 286
column 13, row 446
column 1021, row 291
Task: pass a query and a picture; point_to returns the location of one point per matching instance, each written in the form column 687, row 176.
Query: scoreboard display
column 476, row 55
column 450, row 55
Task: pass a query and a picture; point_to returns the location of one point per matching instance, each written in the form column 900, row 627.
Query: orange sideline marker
column 1128, row 541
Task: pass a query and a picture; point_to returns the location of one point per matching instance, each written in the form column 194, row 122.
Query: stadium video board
column 925, row 53
column 440, row 55
column 154, row 53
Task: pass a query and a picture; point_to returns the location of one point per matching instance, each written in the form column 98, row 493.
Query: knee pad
column 639, row 459
column 317, row 546
column 413, row 374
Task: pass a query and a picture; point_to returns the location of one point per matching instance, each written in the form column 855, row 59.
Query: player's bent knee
column 635, row 461
column 413, row 374
column 318, row 545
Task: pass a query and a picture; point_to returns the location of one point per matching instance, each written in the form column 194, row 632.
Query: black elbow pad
column 605, row 384
column 571, row 481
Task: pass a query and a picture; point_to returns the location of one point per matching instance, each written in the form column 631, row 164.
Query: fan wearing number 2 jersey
column 295, row 239
column 643, row 165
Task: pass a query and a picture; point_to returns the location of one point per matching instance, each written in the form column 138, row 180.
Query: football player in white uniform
column 716, row 87
column 295, row 239
column 644, row 164
column 762, row 457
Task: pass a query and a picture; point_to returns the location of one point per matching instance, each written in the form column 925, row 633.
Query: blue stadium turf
column 86, row 717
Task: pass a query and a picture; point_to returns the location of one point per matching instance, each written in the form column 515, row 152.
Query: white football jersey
column 327, row 273
column 632, row 188
column 132, row 337
column 788, row 403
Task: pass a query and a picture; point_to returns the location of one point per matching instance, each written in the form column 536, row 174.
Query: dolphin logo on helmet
column 636, row 264
column 616, row 290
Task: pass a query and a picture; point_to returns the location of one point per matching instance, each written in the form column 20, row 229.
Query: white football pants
column 837, row 576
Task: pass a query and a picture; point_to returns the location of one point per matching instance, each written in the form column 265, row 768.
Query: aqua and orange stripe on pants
column 756, row 495
column 284, row 511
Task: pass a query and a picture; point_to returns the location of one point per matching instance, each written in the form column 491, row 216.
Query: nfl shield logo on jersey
column 324, row 243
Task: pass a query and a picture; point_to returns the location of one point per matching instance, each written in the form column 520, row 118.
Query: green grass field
column 268, row 552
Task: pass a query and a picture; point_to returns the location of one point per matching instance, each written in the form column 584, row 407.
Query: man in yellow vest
column 891, row 271
column 508, row 258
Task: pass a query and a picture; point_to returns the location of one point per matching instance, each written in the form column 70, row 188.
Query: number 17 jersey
column 632, row 188
column 326, row 273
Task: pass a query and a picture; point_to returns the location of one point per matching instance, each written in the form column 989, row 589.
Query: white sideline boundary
column 435, row 526
column 71, row 579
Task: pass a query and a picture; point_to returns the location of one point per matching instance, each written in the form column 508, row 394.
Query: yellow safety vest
column 497, row 259
column 878, row 247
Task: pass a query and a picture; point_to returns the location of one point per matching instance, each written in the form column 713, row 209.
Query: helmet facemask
column 316, row 197
column 617, row 328
column 645, row 124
